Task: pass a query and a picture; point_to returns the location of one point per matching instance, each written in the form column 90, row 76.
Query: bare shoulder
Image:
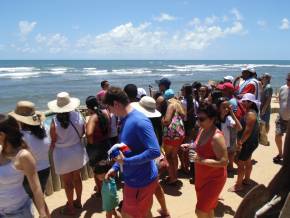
column 25, row 156
column 218, row 138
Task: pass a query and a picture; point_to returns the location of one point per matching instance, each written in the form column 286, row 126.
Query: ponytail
column 93, row 105
column 63, row 119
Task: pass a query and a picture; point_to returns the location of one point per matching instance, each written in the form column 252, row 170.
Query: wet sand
column 181, row 200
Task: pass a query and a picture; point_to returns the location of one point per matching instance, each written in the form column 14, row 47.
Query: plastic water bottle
column 191, row 152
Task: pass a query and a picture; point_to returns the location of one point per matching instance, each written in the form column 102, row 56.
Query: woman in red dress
column 210, row 162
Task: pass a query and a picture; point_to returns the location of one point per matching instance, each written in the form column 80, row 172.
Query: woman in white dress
column 16, row 161
column 69, row 155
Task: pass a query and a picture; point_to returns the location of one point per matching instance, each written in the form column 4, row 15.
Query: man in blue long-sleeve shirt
column 139, row 170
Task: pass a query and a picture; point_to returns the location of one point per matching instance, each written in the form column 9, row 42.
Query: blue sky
column 151, row 29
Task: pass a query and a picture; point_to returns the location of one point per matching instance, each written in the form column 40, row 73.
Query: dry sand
column 181, row 201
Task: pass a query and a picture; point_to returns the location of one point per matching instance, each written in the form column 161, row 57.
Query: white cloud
column 211, row 20
column 165, row 17
column 25, row 27
column 128, row 40
column 54, row 43
column 284, row 24
column 237, row 14
column 195, row 22
column 262, row 23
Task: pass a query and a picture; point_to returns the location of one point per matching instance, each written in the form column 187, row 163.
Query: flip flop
column 77, row 204
column 235, row 189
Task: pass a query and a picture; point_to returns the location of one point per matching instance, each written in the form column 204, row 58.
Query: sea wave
column 17, row 69
column 217, row 67
column 95, row 72
column 19, row 75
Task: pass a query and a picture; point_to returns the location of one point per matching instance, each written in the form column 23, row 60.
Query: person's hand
column 239, row 145
column 120, row 158
column 110, row 173
column 196, row 158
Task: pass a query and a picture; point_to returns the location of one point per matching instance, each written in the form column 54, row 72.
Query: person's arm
column 250, row 124
column 220, row 151
column 266, row 104
column 90, row 128
column 237, row 125
column 146, row 134
column 166, row 120
column 53, row 135
column 27, row 165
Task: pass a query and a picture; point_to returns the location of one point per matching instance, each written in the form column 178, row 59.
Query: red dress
column 209, row 181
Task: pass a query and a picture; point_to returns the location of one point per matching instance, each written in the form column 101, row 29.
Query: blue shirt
column 138, row 134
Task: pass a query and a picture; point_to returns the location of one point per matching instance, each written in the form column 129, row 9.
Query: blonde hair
column 177, row 105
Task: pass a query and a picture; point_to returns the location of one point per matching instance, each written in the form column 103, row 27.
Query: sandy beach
column 181, row 200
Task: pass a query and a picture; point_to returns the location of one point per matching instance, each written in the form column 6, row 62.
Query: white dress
column 69, row 154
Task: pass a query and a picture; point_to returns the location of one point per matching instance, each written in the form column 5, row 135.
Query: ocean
column 39, row 81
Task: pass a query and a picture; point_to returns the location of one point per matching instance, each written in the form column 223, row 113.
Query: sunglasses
column 202, row 119
column 288, row 80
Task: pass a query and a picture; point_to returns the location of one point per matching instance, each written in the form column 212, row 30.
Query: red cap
column 227, row 85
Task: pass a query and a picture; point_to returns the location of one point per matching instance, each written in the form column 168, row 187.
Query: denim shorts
column 25, row 211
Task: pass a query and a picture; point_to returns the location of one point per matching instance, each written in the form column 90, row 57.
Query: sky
column 148, row 29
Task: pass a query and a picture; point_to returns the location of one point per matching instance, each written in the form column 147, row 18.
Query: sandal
column 77, row 204
column 65, row 210
column 163, row 213
column 277, row 159
column 235, row 188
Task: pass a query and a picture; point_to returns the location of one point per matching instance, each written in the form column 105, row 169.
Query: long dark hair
column 10, row 127
column 38, row 131
column 188, row 96
column 93, row 104
column 64, row 120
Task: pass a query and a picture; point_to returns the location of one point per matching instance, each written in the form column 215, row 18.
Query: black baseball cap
column 164, row 81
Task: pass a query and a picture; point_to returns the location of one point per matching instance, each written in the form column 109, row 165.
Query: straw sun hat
column 63, row 103
column 25, row 113
column 147, row 106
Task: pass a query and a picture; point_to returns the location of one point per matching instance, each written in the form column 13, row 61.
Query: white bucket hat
column 147, row 106
column 252, row 98
column 63, row 103
column 250, row 68
column 25, row 113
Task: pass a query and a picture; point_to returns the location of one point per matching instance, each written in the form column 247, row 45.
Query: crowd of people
column 138, row 139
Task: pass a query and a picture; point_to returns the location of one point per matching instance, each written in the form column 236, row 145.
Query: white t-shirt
column 39, row 149
column 284, row 99
column 225, row 127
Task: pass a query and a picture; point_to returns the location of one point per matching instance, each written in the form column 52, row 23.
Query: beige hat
column 25, row 113
column 147, row 106
column 63, row 103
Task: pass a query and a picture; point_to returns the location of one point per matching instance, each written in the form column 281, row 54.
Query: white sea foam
column 16, row 69
column 95, row 72
column 58, row 70
column 19, row 75
column 217, row 67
